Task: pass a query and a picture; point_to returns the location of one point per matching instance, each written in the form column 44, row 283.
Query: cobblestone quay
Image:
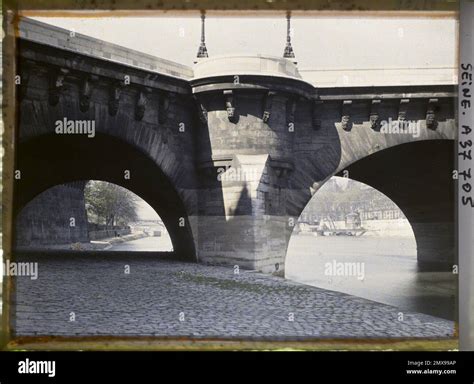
column 79, row 295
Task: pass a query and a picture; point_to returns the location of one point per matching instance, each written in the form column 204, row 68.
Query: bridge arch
column 50, row 160
column 418, row 178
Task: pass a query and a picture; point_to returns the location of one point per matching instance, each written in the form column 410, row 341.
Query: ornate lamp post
column 288, row 52
column 202, row 51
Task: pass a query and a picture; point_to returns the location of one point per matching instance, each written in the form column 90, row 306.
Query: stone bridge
column 228, row 152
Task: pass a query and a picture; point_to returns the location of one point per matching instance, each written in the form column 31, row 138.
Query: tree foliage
column 110, row 204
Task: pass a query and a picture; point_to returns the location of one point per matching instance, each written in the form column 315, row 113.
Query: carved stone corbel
column 163, row 107
column 431, row 119
column 114, row 101
column 202, row 111
column 346, row 122
column 56, row 78
column 402, row 112
column 229, row 104
column 374, row 117
column 141, row 104
column 267, row 106
column 85, row 95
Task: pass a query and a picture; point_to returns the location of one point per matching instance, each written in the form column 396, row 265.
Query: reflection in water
column 390, row 271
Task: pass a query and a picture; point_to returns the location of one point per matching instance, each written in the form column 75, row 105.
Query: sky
column 145, row 211
column 319, row 42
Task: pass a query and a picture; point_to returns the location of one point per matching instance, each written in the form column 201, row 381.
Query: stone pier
column 246, row 157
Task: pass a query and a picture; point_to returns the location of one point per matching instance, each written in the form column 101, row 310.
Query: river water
column 390, row 271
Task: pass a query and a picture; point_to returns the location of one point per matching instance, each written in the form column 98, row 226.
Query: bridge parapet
column 246, row 65
column 72, row 41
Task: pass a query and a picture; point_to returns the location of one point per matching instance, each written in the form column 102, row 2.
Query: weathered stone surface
column 184, row 299
column 36, row 31
column 56, row 216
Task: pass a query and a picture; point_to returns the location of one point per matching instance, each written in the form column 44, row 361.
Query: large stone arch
column 418, row 178
column 50, row 160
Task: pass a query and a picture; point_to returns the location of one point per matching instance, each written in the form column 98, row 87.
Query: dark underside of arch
column 52, row 160
column 418, row 177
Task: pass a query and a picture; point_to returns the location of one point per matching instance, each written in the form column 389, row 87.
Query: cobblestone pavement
column 166, row 298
